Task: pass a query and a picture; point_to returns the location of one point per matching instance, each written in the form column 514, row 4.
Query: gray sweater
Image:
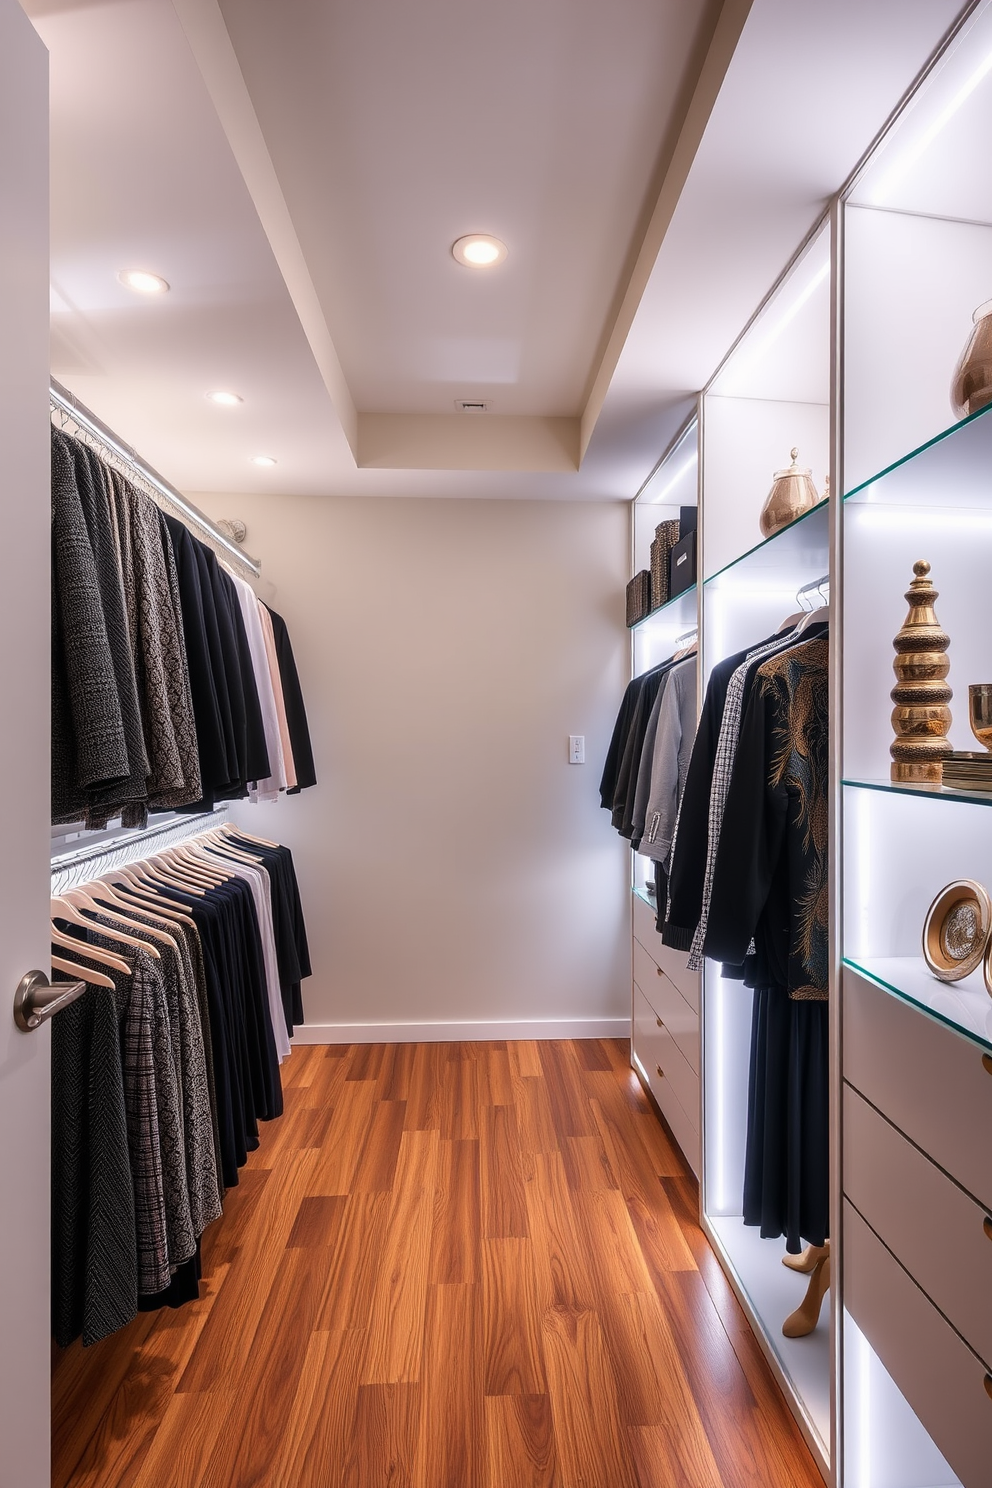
column 673, row 742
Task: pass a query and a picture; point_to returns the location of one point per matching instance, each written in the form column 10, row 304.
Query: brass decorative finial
column 921, row 717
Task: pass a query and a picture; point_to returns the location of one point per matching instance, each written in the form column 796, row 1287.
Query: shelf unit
column 665, row 1042
column 850, row 358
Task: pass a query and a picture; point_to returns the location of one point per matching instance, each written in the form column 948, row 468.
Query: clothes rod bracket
column 36, row 1000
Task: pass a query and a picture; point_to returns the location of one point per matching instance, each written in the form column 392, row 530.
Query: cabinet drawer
column 683, row 1130
column 931, row 1226
column 661, row 993
column 671, row 962
column 926, row 1079
column 938, row 1374
column 663, row 1060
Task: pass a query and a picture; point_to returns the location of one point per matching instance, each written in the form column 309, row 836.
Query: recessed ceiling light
column 226, row 400
column 262, row 460
column 142, row 281
column 479, row 251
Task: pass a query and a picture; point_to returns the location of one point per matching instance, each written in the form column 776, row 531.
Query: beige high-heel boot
column 807, row 1314
column 807, row 1259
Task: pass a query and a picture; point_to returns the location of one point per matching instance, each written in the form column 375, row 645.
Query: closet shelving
column 771, row 394
column 665, row 1043
column 912, row 1095
column 850, row 358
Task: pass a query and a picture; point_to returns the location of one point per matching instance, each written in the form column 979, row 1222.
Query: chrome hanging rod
column 689, row 635
column 68, row 402
column 128, row 849
column 816, row 584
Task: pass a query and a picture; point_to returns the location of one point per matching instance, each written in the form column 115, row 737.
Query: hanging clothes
column 268, row 634
column 769, row 911
column 168, row 685
column 296, row 713
column 690, row 853
column 160, row 1080
column 618, row 788
column 665, row 763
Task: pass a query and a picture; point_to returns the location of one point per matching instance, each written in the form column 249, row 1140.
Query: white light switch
column 576, row 749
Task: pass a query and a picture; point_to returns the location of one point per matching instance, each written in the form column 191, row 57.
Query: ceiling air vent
column 471, row 405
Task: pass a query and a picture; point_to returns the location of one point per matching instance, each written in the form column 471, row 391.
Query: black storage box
column 682, row 564
column 688, row 516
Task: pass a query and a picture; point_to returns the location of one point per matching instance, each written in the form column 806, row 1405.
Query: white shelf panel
column 964, row 1006
column 775, row 1291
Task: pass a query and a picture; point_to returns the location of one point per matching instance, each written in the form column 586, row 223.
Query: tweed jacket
column 89, row 747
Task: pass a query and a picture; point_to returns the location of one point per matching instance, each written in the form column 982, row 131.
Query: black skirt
column 787, row 1158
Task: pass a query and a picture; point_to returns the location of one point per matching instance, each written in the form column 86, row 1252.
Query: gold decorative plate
column 957, row 930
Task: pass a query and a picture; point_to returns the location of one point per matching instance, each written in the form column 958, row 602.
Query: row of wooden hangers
column 194, row 866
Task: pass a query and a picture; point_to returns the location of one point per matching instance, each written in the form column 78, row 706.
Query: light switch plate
column 576, row 749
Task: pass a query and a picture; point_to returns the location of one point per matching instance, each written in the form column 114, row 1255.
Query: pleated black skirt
column 787, row 1157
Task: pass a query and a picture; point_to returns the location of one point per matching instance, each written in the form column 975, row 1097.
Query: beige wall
column 455, row 868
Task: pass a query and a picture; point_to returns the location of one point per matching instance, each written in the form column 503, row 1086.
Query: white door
column 25, row 1347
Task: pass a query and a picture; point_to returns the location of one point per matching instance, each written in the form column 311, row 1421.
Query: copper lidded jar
column 972, row 385
column 792, row 494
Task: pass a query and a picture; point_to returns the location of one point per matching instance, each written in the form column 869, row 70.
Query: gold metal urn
column 972, row 385
column 792, row 494
column 921, row 717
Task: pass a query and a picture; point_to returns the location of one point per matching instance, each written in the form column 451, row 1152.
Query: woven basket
column 666, row 535
column 639, row 597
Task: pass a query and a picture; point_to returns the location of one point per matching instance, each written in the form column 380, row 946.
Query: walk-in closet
column 495, row 900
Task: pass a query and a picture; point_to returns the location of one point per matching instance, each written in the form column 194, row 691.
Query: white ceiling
column 298, row 172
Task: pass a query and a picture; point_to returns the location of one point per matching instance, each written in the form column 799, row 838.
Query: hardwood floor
column 448, row 1266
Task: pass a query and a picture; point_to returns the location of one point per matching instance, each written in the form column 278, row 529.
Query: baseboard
column 480, row 1032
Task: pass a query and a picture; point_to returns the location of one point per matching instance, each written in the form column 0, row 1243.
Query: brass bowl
column 957, row 930
column 980, row 712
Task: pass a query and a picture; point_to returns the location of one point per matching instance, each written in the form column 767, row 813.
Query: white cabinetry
column 851, row 358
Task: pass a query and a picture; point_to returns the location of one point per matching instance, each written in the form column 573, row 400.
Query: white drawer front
column 683, row 1130
column 929, row 1224
column 938, row 1374
column 671, row 962
column 663, row 1060
column 681, row 1020
column 926, row 1079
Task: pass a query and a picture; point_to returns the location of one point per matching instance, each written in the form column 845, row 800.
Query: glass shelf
column 681, row 609
column 931, row 792
column 805, row 541
column 641, row 893
column 964, row 1006
column 950, row 470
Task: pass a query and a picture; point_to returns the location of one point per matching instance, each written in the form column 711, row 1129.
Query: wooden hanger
column 82, row 973
column 228, row 829
column 183, row 870
column 219, row 841
column 184, row 858
column 146, row 901
column 96, row 953
column 217, row 851
column 157, row 875
column 64, row 910
column 84, row 900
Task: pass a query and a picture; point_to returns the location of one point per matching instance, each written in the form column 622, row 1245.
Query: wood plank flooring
column 447, row 1266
